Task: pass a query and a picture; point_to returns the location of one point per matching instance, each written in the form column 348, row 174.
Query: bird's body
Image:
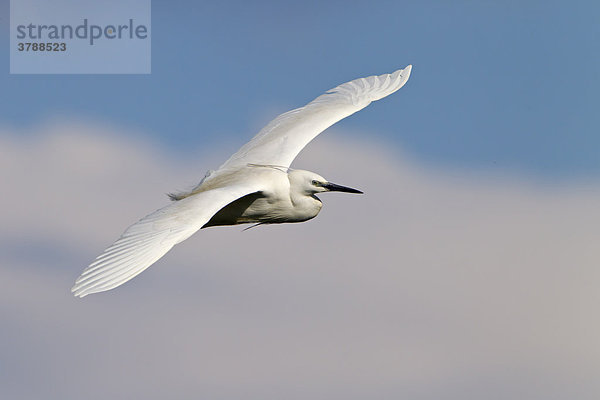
column 279, row 202
column 256, row 185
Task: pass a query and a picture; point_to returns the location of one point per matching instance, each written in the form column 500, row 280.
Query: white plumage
column 253, row 186
column 282, row 139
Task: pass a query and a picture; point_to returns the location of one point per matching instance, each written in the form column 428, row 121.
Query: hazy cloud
column 434, row 284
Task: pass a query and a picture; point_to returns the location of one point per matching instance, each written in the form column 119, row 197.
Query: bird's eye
column 316, row 183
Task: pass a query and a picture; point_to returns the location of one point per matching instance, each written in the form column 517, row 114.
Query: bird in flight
column 255, row 185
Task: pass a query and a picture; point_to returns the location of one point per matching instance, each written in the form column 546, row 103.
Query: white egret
column 255, row 185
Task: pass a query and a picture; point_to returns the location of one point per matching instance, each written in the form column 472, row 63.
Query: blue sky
column 508, row 85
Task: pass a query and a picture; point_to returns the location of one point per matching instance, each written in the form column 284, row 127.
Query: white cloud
column 433, row 284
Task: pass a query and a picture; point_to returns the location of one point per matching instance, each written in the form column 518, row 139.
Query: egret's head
column 310, row 183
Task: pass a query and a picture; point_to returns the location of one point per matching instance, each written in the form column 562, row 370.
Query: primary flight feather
column 255, row 185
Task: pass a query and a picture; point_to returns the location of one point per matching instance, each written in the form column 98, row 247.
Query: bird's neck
column 306, row 205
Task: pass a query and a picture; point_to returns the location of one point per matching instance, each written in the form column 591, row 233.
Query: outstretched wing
column 144, row 242
column 282, row 139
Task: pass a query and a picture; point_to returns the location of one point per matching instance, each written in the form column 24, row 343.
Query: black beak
column 332, row 187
